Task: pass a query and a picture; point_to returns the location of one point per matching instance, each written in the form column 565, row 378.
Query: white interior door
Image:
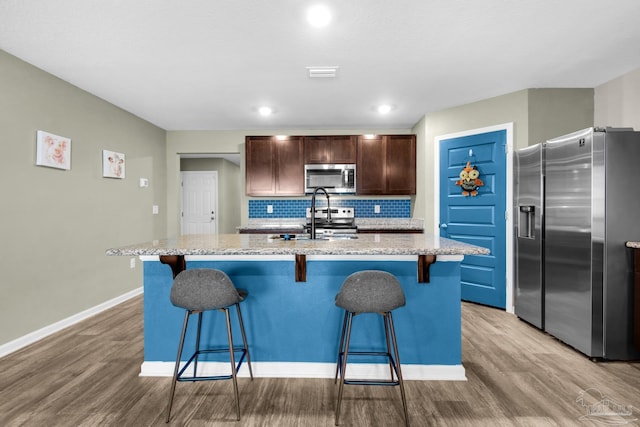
column 199, row 202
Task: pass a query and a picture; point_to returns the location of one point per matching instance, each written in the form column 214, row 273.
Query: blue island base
column 293, row 327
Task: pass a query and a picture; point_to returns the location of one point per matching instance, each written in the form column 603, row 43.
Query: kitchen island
column 293, row 325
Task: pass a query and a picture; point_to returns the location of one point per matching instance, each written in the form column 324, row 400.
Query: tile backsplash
column 389, row 208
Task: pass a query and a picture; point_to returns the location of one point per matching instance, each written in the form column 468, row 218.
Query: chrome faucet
column 313, row 209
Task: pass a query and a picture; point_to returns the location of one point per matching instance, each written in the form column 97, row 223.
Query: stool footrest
column 193, row 359
column 368, row 353
column 372, row 382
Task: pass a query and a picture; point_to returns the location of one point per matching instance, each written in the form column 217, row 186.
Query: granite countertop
column 390, row 224
column 635, row 245
column 263, row 244
column 362, row 224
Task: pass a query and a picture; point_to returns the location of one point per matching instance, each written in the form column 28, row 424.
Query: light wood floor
column 87, row 375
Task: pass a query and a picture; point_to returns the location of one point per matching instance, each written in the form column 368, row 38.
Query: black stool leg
column 341, row 346
column 386, row 335
column 233, row 363
column 343, row 367
column 197, row 353
column 244, row 340
column 389, row 318
column 175, row 370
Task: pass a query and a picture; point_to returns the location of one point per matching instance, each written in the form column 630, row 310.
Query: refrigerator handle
column 526, row 221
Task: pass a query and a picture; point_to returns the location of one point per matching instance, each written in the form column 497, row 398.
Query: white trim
column 508, row 127
column 34, row 336
column 314, row 370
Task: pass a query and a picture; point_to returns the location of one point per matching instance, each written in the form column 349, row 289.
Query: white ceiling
column 209, row 64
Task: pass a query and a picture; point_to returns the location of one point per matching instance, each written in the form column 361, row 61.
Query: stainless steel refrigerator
column 576, row 206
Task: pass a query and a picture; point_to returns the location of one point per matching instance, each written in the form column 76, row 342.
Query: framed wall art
column 113, row 164
column 53, row 151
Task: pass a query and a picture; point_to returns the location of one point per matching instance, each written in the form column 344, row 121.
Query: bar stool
column 198, row 290
column 370, row 291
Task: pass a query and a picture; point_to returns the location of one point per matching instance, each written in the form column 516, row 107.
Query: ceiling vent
column 322, row 72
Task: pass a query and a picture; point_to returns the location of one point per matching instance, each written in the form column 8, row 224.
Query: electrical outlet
column 376, row 209
column 155, row 209
column 269, row 208
column 132, row 263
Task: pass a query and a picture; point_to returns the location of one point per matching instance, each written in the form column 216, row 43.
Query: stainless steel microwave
column 339, row 179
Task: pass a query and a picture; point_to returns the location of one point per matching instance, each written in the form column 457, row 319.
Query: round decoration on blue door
column 469, row 180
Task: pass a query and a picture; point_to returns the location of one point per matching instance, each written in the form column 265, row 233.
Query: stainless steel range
column 342, row 221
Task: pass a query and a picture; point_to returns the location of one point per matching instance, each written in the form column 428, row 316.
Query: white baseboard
column 313, row 370
column 32, row 337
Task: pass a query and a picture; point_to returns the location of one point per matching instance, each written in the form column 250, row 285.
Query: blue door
column 473, row 194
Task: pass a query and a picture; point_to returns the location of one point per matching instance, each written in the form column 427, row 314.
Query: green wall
column 556, row 112
column 617, row 102
column 56, row 224
column 536, row 115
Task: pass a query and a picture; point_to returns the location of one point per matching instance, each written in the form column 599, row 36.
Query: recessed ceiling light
column 384, row 109
column 265, row 111
column 319, row 15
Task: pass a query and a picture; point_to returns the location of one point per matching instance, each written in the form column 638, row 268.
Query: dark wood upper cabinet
column 386, row 165
column 401, row 164
column 274, row 167
column 316, row 149
column 330, row 149
column 289, row 168
column 260, row 168
column 371, row 164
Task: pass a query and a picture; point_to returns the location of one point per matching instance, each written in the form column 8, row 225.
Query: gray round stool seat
column 370, row 291
column 203, row 289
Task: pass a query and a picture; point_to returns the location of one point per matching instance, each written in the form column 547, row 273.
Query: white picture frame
column 53, row 151
column 113, row 164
